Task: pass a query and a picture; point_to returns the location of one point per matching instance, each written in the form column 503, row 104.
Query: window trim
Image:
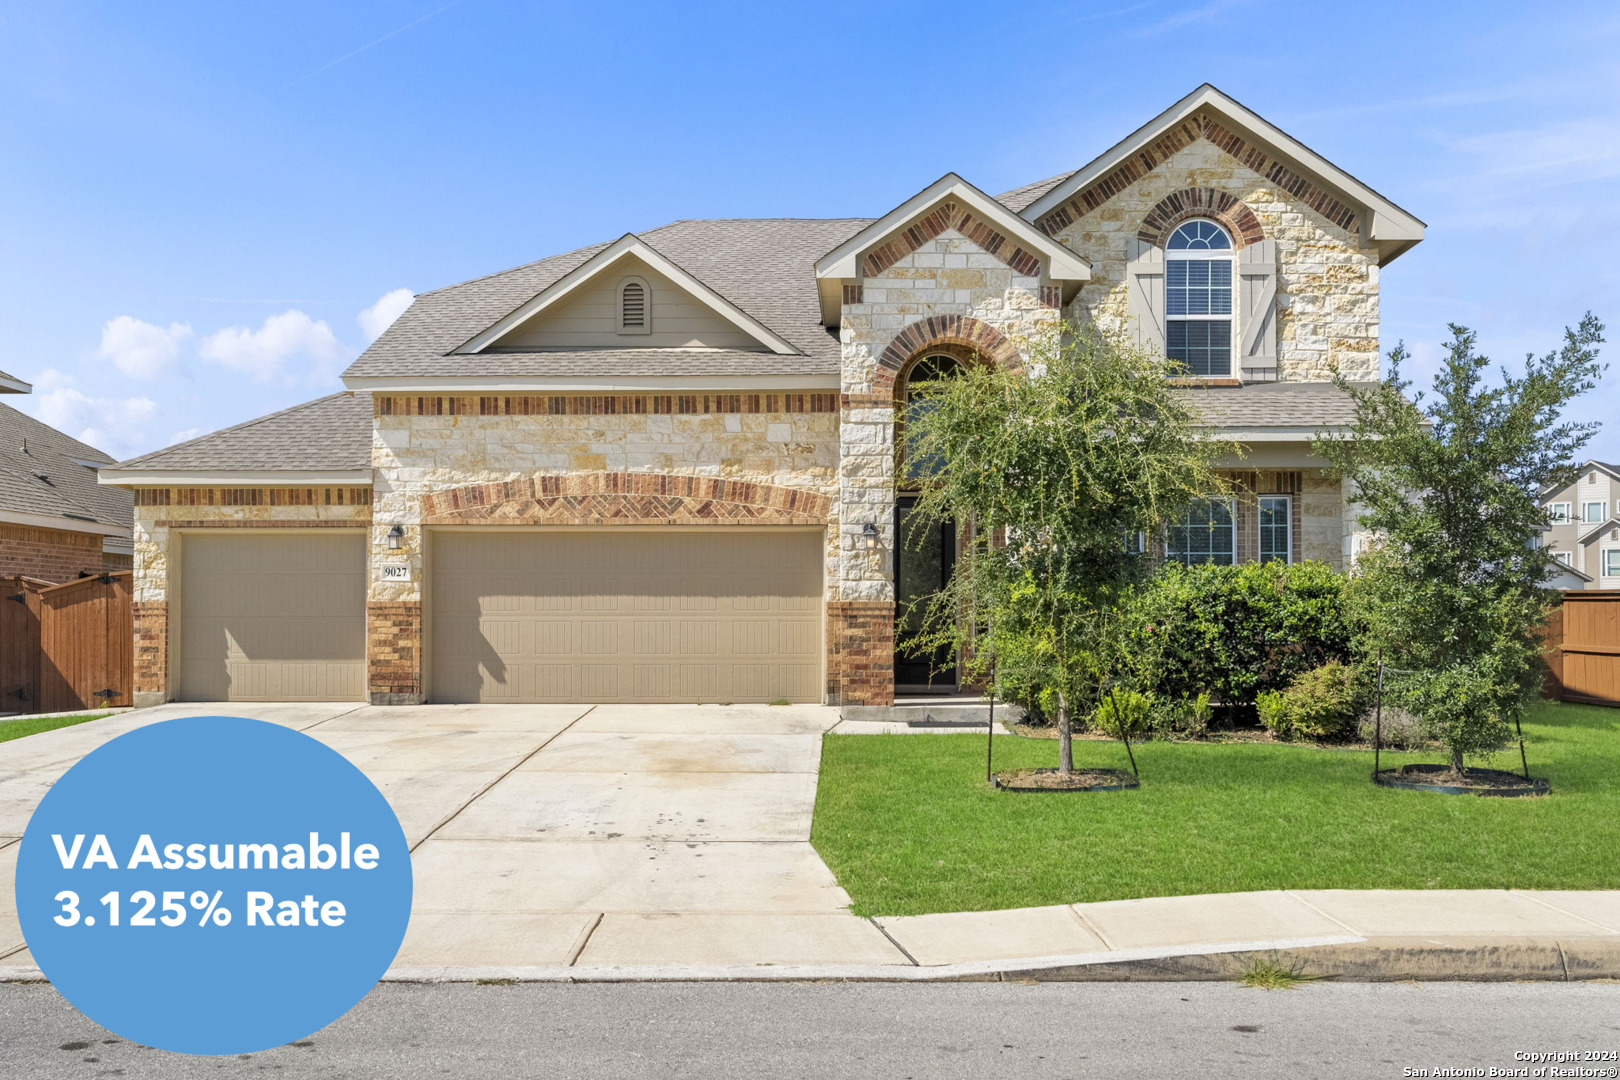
column 1602, row 514
column 1553, row 513
column 1232, row 523
column 1228, row 255
column 1603, row 562
column 1563, row 558
column 646, row 305
column 1288, row 527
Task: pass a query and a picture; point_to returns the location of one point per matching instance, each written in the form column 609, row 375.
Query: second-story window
column 1198, row 300
column 1592, row 512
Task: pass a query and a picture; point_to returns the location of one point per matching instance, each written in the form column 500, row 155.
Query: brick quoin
column 860, row 662
column 960, row 330
column 151, row 619
column 394, row 652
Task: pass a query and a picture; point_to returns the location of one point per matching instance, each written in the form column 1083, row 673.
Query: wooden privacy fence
column 67, row 646
column 1583, row 647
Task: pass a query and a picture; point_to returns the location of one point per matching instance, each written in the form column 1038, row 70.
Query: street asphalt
column 761, row 1031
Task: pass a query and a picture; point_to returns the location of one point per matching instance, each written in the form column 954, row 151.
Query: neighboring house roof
column 1018, row 199
column 764, row 267
column 1264, row 147
column 48, row 479
column 1590, row 534
column 10, row 384
column 325, row 440
column 1279, row 410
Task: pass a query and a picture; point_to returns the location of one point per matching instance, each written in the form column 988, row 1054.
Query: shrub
column 1273, row 710
column 1133, row 708
column 1187, row 718
column 1398, row 729
column 1319, row 704
column 1235, row 631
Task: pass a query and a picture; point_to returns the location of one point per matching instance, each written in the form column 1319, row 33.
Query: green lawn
column 909, row 826
column 33, row 725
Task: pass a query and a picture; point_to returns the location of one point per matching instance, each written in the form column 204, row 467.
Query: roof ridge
column 513, row 269
column 239, row 427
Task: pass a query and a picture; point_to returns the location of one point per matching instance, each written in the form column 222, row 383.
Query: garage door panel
column 631, row 616
column 272, row 618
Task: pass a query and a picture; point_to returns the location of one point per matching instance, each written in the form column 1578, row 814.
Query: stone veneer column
column 861, row 619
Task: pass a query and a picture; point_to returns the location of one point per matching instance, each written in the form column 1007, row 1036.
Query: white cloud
column 142, row 349
column 114, row 425
column 261, row 354
column 379, row 316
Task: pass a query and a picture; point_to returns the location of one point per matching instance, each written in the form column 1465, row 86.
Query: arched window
column 635, row 307
column 930, row 368
column 1198, row 299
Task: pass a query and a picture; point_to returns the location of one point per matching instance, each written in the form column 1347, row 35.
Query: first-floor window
column 1565, row 557
column 1611, row 562
column 1205, row 535
column 1275, row 523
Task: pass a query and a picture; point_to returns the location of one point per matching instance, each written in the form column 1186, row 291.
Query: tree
column 1452, row 586
column 1053, row 471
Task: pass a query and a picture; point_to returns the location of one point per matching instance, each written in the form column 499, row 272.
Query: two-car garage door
column 625, row 615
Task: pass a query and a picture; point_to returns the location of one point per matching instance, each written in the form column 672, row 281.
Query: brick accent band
column 860, row 652
column 267, row 523
column 1184, row 134
column 394, row 652
column 151, row 618
column 257, row 496
column 1178, row 206
column 961, row 330
column 948, row 215
column 600, row 404
column 625, row 499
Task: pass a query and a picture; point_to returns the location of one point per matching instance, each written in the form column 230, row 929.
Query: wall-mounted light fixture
column 395, row 535
column 869, row 533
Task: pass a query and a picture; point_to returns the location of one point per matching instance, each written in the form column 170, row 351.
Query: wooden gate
column 1583, row 647
column 65, row 647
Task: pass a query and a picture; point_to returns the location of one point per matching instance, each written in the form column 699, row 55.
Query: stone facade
column 1327, row 294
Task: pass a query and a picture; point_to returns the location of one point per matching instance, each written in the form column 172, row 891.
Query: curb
column 1348, row 958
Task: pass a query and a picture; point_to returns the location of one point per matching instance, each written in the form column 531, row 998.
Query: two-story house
column 662, row 468
column 1585, row 530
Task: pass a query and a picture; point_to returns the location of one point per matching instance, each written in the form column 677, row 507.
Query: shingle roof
column 765, row 267
column 329, row 434
column 1019, row 198
column 1278, row 404
column 47, row 479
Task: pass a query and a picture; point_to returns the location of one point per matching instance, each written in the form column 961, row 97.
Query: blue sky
column 206, row 210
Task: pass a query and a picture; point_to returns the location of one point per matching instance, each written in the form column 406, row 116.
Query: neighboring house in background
column 56, row 522
column 1585, row 530
column 663, row 468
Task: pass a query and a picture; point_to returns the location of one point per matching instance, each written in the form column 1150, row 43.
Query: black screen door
column 923, row 559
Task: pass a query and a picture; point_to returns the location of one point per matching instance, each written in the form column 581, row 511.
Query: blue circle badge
column 213, row 885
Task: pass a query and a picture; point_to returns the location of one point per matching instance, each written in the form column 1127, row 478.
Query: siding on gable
column 588, row 318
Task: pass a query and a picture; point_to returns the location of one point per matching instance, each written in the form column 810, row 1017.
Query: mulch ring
column 1440, row 779
column 1052, row 780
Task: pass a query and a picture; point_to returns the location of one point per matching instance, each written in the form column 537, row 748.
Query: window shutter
column 1144, row 304
column 1257, row 305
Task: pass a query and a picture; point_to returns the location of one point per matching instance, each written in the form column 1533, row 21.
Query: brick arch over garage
column 618, row 498
column 1179, row 206
column 962, row 331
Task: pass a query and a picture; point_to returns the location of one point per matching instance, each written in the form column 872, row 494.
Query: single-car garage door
column 626, row 615
column 273, row 617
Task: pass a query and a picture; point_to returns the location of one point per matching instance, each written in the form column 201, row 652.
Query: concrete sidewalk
column 672, row 842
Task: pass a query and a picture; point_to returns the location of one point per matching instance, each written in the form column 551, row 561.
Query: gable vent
column 634, row 314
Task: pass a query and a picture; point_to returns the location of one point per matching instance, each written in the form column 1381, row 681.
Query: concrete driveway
column 548, row 835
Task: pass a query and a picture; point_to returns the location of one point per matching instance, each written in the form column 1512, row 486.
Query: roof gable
column 948, row 203
column 1258, row 144
column 626, row 249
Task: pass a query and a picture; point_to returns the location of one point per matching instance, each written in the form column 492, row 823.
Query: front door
column 923, row 559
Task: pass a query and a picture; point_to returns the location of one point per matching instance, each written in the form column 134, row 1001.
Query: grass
column 1272, row 974
column 909, row 825
column 33, row 725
